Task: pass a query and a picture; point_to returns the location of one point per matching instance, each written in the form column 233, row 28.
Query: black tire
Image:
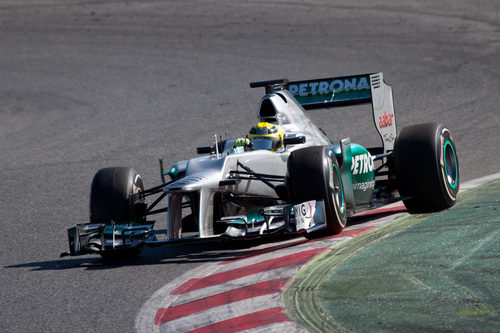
column 427, row 169
column 313, row 174
column 110, row 192
column 110, row 201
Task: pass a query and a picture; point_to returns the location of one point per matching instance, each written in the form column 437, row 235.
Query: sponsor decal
column 306, row 210
column 304, row 214
column 389, row 138
column 362, row 164
column 385, row 120
column 363, row 186
column 328, row 86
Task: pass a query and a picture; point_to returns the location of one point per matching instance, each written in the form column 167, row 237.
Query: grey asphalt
column 87, row 84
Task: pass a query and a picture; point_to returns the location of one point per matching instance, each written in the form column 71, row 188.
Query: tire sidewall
column 444, row 144
column 421, row 168
column 335, row 209
column 110, row 194
column 310, row 177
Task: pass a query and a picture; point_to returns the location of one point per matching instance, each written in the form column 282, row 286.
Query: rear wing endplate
column 348, row 90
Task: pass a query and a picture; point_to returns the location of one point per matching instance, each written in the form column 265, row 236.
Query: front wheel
column 313, row 174
column 112, row 196
column 426, row 162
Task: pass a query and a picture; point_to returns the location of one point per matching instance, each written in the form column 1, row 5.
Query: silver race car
column 285, row 176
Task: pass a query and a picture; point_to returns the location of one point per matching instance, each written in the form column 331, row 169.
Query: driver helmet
column 266, row 136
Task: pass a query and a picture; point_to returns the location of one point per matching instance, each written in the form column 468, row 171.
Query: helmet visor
column 263, row 142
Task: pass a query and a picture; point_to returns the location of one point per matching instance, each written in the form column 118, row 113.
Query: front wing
column 102, row 238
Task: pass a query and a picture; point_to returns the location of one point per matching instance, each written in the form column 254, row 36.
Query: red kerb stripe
column 401, row 208
column 258, row 289
column 246, row 322
column 263, row 251
column 345, row 233
column 212, row 280
column 354, row 232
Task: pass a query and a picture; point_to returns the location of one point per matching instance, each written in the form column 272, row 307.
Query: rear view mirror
column 294, row 140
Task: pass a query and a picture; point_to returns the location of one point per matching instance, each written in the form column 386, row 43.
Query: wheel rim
column 450, row 164
column 338, row 191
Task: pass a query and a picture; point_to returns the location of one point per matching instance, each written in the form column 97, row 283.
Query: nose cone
column 186, row 184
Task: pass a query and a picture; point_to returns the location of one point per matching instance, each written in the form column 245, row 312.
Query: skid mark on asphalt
column 474, row 250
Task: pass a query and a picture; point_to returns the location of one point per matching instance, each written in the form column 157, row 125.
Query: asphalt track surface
column 90, row 84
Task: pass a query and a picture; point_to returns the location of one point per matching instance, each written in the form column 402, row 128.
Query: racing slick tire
column 313, row 174
column 427, row 170
column 110, row 201
column 110, row 192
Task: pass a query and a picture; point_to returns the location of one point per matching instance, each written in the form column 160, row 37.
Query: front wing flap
column 308, row 216
column 104, row 237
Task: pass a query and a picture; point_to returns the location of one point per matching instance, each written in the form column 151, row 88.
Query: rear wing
column 348, row 90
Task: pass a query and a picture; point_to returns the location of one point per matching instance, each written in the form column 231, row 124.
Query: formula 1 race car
column 286, row 176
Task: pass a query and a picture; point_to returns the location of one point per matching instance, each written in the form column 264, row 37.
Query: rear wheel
column 427, row 169
column 313, row 174
column 111, row 199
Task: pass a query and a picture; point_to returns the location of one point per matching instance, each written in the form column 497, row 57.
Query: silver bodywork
column 207, row 175
column 204, row 174
column 243, row 193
